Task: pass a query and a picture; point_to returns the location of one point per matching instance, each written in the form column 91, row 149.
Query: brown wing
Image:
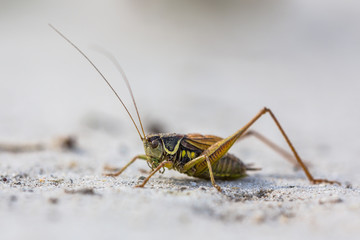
column 199, row 141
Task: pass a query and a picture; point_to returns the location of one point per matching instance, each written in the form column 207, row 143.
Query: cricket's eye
column 154, row 143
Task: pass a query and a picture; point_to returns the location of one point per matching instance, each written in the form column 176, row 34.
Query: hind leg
column 285, row 154
column 218, row 149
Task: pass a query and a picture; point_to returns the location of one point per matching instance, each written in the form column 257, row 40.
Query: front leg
column 167, row 164
column 126, row 166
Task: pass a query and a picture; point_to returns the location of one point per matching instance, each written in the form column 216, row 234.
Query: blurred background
column 194, row 66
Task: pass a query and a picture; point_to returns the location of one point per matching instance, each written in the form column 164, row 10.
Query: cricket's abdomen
column 227, row 168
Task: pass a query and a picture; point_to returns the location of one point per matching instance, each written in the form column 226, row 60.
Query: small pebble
column 348, row 185
column 330, row 200
column 193, row 184
column 53, row 200
column 85, row 191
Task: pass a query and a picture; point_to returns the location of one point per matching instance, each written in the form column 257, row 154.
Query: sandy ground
column 194, row 67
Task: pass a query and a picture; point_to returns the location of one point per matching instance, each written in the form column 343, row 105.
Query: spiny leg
column 161, row 165
column 220, row 148
column 302, row 164
column 127, row 165
column 212, row 175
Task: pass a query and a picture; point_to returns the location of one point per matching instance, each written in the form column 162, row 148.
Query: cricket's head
column 154, row 150
column 153, row 146
column 161, row 147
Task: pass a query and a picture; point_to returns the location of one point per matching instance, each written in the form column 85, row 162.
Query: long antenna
column 103, row 77
column 122, row 72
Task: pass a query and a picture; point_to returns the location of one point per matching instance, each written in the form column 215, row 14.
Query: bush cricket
column 201, row 156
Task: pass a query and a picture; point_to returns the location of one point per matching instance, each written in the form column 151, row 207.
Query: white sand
column 194, row 67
